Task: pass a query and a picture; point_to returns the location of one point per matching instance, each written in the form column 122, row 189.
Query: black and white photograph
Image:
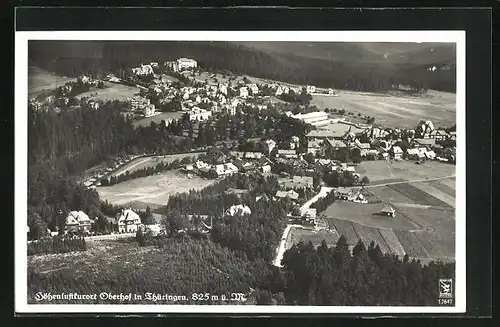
column 237, row 172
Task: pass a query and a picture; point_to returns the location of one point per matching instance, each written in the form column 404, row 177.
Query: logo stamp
column 445, row 288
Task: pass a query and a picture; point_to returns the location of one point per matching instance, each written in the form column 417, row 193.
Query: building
column 142, row 106
column 266, row 169
column 424, row 129
column 128, row 221
column 315, row 147
column 143, row 70
column 287, row 154
column 253, row 88
column 388, row 211
column 270, row 145
column 223, row 89
column 198, row 114
column 239, row 209
column 343, row 193
column 317, row 118
column 243, row 92
column 291, row 194
column 303, row 182
column 331, row 92
column 185, row 63
column 78, row 221
column 225, row 169
column 279, row 91
column 310, row 89
column 397, row 152
column 334, row 144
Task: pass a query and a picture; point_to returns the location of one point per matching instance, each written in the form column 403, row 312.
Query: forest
column 224, row 56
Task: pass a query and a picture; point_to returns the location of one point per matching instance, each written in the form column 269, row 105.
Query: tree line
column 224, row 56
column 364, row 276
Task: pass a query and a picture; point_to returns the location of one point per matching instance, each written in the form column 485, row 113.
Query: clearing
column 112, row 91
column 146, row 162
column 39, row 80
column 394, row 111
column 310, row 235
column 390, row 170
column 367, row 214
column 152, row 190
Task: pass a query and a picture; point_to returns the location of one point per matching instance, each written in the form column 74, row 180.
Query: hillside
column 341, row 66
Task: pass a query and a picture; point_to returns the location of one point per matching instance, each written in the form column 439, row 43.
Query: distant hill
column 352, row 66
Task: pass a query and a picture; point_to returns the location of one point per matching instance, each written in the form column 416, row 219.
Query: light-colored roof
column 387, row 209
column 303, row 180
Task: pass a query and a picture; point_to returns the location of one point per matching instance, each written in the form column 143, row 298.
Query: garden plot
column 310, row 235
column 344, row 227
column 429, row 189
column 392, row 241
column 370, row 234
column 419, row 196
column 443, row 188
column 405, row 240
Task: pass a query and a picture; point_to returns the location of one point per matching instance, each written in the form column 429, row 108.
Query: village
column 309, row 167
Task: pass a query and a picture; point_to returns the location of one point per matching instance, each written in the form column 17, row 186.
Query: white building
column 239, row 209
column 223, row 89
column 243, row 92
column 310, row 89
column 253, row 88
column 128, row 221
column 78, row 220
column 198, row 114
column 314, row 118
column 143, row 70
column 182, row 64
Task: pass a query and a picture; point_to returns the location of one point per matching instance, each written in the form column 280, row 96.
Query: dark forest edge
column 224, row 56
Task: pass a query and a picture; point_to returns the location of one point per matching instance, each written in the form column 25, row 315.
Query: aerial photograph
column 241, row 173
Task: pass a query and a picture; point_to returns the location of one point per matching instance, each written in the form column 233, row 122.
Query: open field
column 419, row 196
column 112, row 91
column 39, row 80
column 158, row 118
column 436, row 193
column 146, row 162
column 153, row 190
column 394, row 111
column 440, row 185
column 314, row 236
column 367, row 214
column 387, row 170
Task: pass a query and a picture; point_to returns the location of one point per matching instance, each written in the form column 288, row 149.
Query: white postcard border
column 21, row 146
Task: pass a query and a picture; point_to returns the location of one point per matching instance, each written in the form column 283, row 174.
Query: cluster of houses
column 95, row 180
column 245, row 162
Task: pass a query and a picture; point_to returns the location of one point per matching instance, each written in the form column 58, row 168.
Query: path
column 321, row 194
column 281, row 249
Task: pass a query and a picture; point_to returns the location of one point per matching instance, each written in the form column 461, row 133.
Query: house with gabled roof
column 78, row 221
column 128, row 221
column 388, row 211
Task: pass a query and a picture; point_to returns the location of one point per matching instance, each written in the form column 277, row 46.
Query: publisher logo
column 445, row 288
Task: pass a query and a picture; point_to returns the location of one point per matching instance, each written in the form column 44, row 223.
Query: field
column 424, row 224
column 367, row 214
column 314, row 236
column 158, row 118
column 386, row 170
column 145, row 162
column 39, row 80
column 112, row 91
column 152, row 190
column 394, row 111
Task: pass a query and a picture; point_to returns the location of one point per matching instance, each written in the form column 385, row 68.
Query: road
column 109, row 237
column 281, row 249
column 321, row 194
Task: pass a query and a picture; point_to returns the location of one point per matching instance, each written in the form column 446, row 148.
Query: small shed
column 388, row 211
